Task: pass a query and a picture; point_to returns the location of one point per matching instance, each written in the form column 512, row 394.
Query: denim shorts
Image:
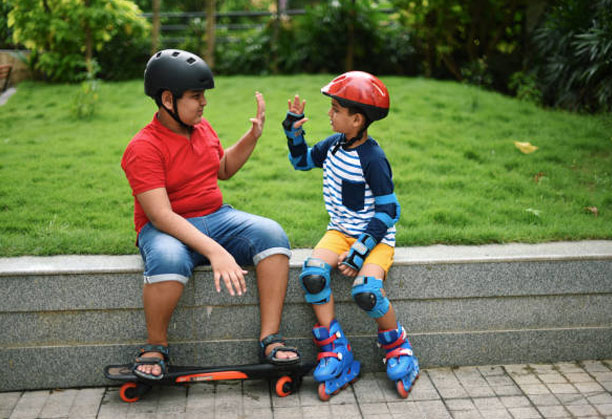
column 248, row 238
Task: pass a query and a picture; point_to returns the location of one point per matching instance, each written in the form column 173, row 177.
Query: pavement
column 581, row 389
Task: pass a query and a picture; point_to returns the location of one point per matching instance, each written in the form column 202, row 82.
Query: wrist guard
column 295, row 135
column 359, row 251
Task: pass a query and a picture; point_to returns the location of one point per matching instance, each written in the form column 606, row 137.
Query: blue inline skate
column 337, row 368
column 402, row 365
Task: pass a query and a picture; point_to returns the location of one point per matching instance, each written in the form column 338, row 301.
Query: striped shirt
column 352, row 180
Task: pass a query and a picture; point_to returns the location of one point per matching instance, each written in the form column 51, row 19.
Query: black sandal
column 152, row 361
column 271, row 357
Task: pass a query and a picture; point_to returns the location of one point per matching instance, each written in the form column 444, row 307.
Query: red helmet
column 360, row 90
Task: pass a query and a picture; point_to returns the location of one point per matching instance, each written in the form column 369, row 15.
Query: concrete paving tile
column 433, row 409
column 530, row 389
column 30, row 404
column 595, row 366
column 599, row 398
column 496, row 414
column 480, row 391
column 323, row 410
column 499, row 380
column 460, row 404
column 515, row 401
column 467, row 414
column 488, row 403
column 552, row 378
column 568, row 367
column 524, row 413
column 404, row 410
column 347, row 411
column 553, row 411
column 591, row 387
column 507, row 390
column 578, row 377
column 604, row 409
column 544, row 400
column 456, row 392
column 517, row 369
column 526, row 379
column 571, row 399
column 86, row 403
column 491, row 370
column 562, row 388
column 371, row 409
column 8, row 402
column 470, row 377
column 582, row 410
column 58, row 404
column 423, row 389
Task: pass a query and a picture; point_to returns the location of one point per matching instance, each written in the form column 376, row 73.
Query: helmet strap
column 174, row 113
column 345, row 144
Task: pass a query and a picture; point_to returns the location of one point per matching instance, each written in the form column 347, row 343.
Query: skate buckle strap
column 329, row 340
column 329, row 355
column 397, row 343
column 399, row 352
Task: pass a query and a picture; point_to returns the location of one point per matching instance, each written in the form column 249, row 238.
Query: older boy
column 173, row 165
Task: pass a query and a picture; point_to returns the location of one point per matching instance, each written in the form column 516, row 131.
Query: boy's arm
column 299, row 152
column 237, row 155
column 158, row 210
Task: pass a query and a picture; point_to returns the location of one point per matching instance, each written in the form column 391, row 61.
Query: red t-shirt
column 159, row 158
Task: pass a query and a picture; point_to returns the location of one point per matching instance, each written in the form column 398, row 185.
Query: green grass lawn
column 459, row 177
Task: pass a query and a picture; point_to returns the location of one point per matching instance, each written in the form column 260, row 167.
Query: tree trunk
column 156, row 27
column 210, row 33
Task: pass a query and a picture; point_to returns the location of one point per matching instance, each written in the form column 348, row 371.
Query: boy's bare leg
column 160, row 300
column 272, row 279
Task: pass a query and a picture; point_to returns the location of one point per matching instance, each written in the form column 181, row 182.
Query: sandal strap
column 162, row 349
column 270, row 339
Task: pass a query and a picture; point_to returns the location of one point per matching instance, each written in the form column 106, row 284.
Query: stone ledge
column 519, row 252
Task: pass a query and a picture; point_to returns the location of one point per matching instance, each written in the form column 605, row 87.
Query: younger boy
column 360, row 237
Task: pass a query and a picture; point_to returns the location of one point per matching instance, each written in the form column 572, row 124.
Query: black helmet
column 178, row 71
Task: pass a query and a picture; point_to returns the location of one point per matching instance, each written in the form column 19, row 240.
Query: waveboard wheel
column 128, row 392
column 284, row 386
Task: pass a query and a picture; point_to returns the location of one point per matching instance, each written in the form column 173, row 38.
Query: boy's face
column 341, row 121
column 191, row 106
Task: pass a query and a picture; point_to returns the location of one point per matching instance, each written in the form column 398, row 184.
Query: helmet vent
column 176, row 54
column 158, row 55
column 191, row 60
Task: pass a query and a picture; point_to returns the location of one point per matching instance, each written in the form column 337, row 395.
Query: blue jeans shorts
column 248, row 238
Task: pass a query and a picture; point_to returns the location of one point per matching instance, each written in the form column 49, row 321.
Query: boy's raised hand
column 260, row 118
column 297, row 107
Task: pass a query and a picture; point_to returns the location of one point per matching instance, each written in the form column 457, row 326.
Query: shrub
column 575, row 55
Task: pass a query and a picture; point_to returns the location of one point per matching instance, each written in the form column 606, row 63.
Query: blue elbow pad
column 386, row 200
column 303, row 161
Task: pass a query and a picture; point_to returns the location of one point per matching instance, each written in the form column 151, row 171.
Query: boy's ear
column 358, row 119
column 167, row 99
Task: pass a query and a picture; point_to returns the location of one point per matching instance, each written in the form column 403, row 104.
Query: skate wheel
column 322, row 394
column 284, row 386
column 128, row 392
column 399, row 385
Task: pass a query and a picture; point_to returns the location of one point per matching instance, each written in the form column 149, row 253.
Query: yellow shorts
column 381, row 255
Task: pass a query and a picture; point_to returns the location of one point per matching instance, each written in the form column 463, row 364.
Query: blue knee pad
column 367, row 293
column 315, row 281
